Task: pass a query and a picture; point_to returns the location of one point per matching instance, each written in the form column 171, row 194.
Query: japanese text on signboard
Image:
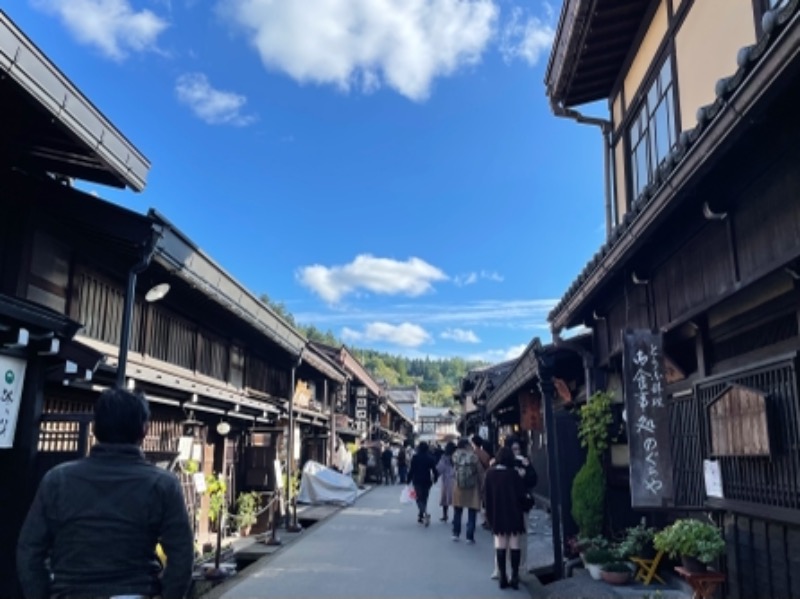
column 12, row 373
column 648, row 419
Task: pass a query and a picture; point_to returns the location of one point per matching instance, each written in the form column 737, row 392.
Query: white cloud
column 468, row 279
column 526, row 37
column 492, row 276
column 516, row 314
column 366, row 44
column 473, row 277
column 460, row 335
column 406, row 334
column 215, row 107
column 112, row 26
column 500, row 355
column 379, row 275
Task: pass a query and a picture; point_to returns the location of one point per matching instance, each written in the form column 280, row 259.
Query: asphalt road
column 376, row 549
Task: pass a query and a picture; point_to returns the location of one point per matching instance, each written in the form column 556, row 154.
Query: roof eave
column 39, row 77
column 176, row 253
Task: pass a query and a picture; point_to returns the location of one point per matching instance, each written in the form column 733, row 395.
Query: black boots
column 501, row 567
column 515, row 558
column 444, row 514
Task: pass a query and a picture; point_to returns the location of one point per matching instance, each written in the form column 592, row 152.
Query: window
column 653, row 132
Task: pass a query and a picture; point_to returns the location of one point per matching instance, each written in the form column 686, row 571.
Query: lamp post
column 153, row 295
column 291, row 526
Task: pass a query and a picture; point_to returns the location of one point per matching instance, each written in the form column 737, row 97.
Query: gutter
column 148, row 252
column 606, row 127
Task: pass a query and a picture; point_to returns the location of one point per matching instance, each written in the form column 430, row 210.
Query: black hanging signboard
column 647, row 419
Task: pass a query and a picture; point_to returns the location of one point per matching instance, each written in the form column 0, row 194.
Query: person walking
column 527, row 472
column 479, row 445
column 422, row 474
column 467, row 490
column 447, row 474
column 402, row 465
column 386, row 464
column 94, row 524
column 504, row 494
column 362, row 460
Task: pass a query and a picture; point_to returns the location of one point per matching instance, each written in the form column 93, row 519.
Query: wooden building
column 702, row 253
column 220, row 369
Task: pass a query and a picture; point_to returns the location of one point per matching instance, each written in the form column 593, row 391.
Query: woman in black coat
column 422, row 474
column 504, row 495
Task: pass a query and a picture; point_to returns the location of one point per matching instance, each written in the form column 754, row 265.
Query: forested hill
column 437, row 379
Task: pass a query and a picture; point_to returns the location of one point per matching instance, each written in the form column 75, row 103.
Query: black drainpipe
column 607, row 129
column 130, row 295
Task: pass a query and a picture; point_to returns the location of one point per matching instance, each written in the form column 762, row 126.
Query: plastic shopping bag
column 408, row 495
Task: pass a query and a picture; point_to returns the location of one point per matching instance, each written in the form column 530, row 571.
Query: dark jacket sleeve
column 176, row 540
column 33, row 546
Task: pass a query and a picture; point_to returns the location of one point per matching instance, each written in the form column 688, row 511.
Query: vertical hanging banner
column 12, row 375
column 647, row 419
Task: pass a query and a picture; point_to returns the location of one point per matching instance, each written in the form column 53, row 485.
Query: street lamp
column 153, row 295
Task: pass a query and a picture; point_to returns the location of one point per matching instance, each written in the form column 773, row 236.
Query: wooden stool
column 704, row 584
column 647, row 568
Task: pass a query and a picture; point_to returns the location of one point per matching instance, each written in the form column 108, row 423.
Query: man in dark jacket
column 422, row 474
column 99, row 519
column 362, row 461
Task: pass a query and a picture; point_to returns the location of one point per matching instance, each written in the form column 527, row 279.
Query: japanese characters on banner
column 361, row 409
column 647, row 419
column 12, row 375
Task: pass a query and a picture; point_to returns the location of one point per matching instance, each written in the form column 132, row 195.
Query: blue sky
column 389, row 169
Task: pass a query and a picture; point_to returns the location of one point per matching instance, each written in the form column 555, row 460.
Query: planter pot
column 594, row 571
column 692, row 564
column 244, row 531
column 615, row 577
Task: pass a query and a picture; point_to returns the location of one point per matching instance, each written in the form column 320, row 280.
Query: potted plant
column 595, row 558
column 638, row 542
column 588, row 496
column 216, row 489
column 697, row 543
column 615, row 573
column 247, row 505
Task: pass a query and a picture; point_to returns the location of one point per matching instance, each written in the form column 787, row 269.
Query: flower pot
column 244, row 531
column 594, row 571
column 692, row 564
column 615, row 577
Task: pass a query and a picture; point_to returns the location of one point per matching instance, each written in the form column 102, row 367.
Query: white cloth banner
column 12, row 375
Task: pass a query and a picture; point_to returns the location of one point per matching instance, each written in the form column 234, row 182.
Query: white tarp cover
column 320, row 485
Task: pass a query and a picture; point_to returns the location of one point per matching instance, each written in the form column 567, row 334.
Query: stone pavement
column 374, row 549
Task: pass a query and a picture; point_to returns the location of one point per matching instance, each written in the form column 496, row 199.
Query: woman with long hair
column 447, row 473
column 504, row 495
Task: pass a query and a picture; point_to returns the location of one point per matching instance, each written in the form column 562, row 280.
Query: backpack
column 466, row 466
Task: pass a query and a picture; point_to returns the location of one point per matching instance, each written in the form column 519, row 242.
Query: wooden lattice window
column 738, row 418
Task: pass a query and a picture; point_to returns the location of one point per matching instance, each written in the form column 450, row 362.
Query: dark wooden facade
column 719, row 276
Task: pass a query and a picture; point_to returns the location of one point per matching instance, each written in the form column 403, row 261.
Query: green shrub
column 598, row 556
column 596, row 419
column 588, row 496
column 691, row 538
column 616, row 567
column 637, row 540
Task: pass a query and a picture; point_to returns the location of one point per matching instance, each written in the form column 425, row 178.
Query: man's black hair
column 477, row 441
column 120, row 416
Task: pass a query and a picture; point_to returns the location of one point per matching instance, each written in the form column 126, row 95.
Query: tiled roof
column 773, row 23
